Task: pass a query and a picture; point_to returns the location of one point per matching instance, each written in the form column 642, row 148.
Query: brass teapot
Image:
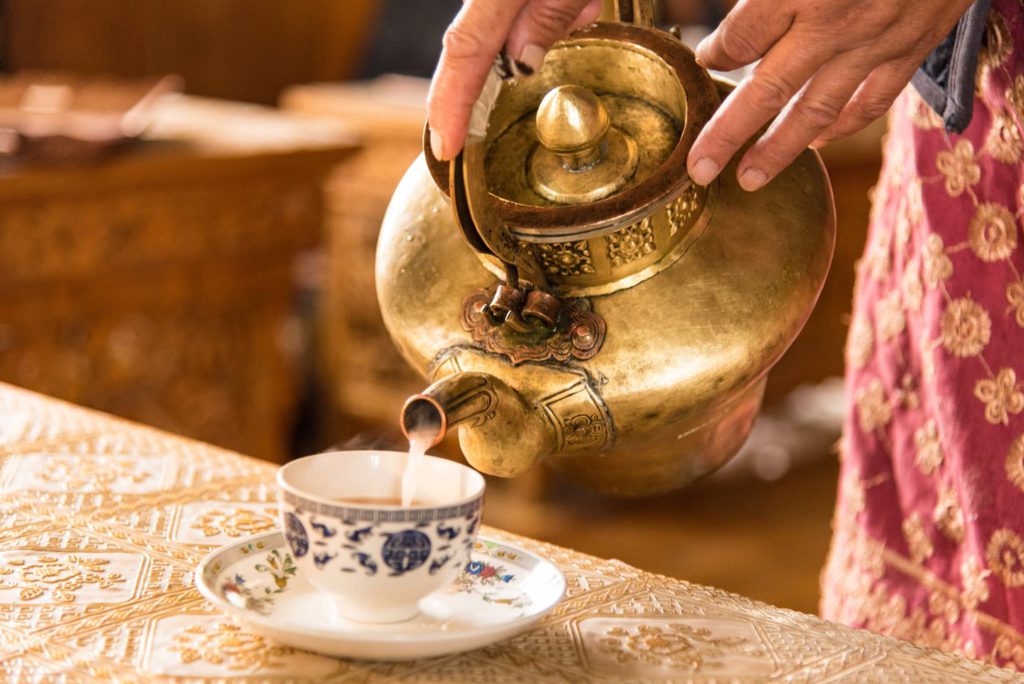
column 573, row 296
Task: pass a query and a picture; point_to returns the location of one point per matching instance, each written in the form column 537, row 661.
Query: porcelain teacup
column 351, row 538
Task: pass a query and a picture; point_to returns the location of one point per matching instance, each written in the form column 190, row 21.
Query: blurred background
column 190, row 194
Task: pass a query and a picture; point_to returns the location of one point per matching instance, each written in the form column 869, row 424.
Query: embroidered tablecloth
column 104, row 520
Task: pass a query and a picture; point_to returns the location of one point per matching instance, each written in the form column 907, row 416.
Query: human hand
column 524, row 28
column 829, row 68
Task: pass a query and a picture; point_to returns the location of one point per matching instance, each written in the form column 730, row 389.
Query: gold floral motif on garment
column 861, row 341
column 911, row 289
column 937, row 265
column 873, row 409
column 918, row 543
column 992, row 232
column 974, row 577
column 928, row 454
column 965, row 328
column 229, row 645
column 1003, row 141
column 1015, row 463
column 1015, row 296
column 60, row 578
column 1010, row 650
column 1005, row 556
column 1015, row 95
column 948, row 516
column 959, row 167
column 1001, row 395
column 889, row 316
column 997, row 44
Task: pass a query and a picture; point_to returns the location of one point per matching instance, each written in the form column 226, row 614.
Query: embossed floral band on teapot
column 573, row 297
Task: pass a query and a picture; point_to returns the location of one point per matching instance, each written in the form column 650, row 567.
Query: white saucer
column 502, row 592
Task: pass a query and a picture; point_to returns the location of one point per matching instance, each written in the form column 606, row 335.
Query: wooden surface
column 234, row 49
column 122, row 514
column 158, row 284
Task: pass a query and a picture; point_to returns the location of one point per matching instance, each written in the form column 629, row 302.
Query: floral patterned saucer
column 501, row 592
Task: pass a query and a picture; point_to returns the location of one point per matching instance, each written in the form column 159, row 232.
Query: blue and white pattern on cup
column 296, row 535
column 396, row 542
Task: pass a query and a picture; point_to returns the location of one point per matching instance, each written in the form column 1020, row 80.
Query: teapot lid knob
column 571, row 120
column 582, row 157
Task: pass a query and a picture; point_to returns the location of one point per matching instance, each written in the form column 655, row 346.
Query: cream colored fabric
column 103, row 522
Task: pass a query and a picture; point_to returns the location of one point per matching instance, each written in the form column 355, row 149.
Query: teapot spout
column 499, row 432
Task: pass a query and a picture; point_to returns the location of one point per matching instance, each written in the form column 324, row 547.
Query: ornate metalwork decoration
column 631, row 243
column 682, row 209
column 578, row 418
column 578, row 333
column 565, row 258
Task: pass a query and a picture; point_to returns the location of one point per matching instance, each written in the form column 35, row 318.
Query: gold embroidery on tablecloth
column 1003, row 142
column 937, row 266
column 965, row 327
column 928, row 454
column 678, row 645
column 226, row 644
column 1002, row 395
column 889, row 316
column 1005, row 556
column 948, row 516
column 992, row 232
column 873, row 408
column 861, row 341
column 959, row 167
column 918, row 543
column 61, row 578
column 1015, row 463
column 1015, row 296
column 974, row 576
column 97, row 473
column 236, row 522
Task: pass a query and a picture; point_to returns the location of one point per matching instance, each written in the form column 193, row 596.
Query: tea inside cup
column 349, row 535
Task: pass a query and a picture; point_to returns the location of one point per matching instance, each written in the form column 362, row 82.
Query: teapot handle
column 639, row 12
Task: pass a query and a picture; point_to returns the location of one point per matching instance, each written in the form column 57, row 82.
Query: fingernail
column 819, row 143
column 437, row 146
column 699, row 50
column 753, row 179
column 705, row 171
column 533, row 57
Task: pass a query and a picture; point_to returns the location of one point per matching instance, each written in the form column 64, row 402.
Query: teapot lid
column 590, row 149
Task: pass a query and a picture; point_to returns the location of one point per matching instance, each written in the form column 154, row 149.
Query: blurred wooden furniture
column 235, row 49
column 158, row 285
column 368, row 380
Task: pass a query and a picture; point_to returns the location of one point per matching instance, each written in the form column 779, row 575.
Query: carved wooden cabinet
column 158, row 285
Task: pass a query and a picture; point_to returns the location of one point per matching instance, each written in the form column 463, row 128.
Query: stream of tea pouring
column 419, row 442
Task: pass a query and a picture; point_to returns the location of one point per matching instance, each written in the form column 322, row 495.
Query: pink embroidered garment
column 929, row 526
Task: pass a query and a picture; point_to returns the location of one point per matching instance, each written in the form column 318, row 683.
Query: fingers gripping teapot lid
column 593, row 144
